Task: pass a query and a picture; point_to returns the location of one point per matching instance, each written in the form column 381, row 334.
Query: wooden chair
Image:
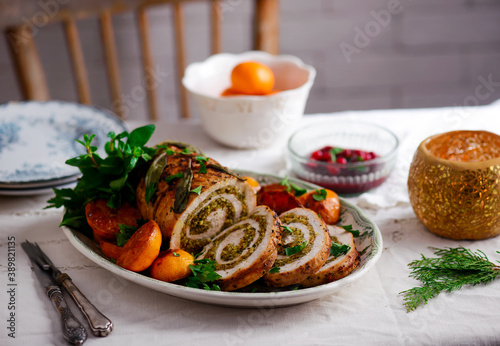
column 18, row 18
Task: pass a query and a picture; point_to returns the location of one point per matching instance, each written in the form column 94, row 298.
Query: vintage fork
column 99, row 324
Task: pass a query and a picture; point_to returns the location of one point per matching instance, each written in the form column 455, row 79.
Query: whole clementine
column 172, row 265
column 252, row 78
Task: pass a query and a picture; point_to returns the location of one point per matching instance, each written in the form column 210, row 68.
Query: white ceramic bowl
column 249, row 121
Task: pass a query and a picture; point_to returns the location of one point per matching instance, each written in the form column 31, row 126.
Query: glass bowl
column 343, row 178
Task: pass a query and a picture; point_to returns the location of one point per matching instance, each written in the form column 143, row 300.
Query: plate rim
column 50, row 182
column 246, row 299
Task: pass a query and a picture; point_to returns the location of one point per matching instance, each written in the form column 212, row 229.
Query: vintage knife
column 99, row 324
column 73, row 329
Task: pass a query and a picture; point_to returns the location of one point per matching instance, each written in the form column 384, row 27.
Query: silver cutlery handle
column 99, row 324
column 73, row 330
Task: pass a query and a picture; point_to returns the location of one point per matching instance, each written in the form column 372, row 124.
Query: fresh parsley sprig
column 197, row 190
column 127, row 231
column 319, row 195
column 338, row 249
column 450, row 271
column 202, row 161
column 112, row 178
column 203, row 273
column 297, row 190
column 348, row 228
column 173, row 176
column 289, row 251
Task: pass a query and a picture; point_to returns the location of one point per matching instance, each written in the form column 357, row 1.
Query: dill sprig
column 450, row 271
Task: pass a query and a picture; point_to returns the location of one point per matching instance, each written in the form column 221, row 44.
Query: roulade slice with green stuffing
column 245, row 251
column 193, row 198
column 303, row 250
column 342, row 261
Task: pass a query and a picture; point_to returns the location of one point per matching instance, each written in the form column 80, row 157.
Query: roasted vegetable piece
column 104, row 220
column 142, row 248
column 278, row 198
column 172, row 265
column 253, row 183
column 324, row 202
column 111, row 250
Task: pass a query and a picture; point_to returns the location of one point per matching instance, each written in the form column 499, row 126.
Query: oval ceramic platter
column 368, row 244
column 36, row 138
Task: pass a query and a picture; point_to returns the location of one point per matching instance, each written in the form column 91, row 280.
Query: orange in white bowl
column 249, row 121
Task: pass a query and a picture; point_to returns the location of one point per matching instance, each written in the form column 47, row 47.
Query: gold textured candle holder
column 454, row 184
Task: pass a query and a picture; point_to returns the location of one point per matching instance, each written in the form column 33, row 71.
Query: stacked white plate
column 36, row 139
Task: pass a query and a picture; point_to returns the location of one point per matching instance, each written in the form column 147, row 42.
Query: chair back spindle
column 147, row 61
column 27, row 63
column 77, row 61
column 31, row 75
column 111, row 59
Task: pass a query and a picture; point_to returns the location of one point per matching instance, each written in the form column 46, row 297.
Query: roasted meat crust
column 336, row 268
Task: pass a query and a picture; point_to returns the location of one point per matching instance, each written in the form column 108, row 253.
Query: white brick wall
column 427, row 53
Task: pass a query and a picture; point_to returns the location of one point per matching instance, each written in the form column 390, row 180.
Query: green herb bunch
column 112, row 178
column 203, row 272
column 450, row 271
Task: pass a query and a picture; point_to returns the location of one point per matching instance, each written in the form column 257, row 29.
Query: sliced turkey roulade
column 337, row 265
column 304, row 248
column 245, row 251
column 192, row 198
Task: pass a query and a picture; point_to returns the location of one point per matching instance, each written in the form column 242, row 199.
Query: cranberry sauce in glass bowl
column 346, row 157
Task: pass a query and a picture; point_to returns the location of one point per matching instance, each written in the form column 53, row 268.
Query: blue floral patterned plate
column 36, row 138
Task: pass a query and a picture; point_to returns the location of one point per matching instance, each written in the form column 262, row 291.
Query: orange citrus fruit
column 252, row 78
column 104, row 221
column 231, row 92
column 253, row 183
column 327, row 206
column 142, row 249
column 172, row 265
column 109, row 249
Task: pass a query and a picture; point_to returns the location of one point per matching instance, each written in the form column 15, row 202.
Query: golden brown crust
column 252, row 274
column 337, row 272
column 337, row 269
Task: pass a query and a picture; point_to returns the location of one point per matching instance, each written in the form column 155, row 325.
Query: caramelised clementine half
column 142, row 248
column 324, row 202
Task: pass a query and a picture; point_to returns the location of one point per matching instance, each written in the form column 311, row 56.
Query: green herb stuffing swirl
column 237, row 253
column 197, row 222
column 298, row 238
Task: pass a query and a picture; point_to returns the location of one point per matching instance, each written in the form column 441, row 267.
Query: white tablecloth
column 369, row 311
